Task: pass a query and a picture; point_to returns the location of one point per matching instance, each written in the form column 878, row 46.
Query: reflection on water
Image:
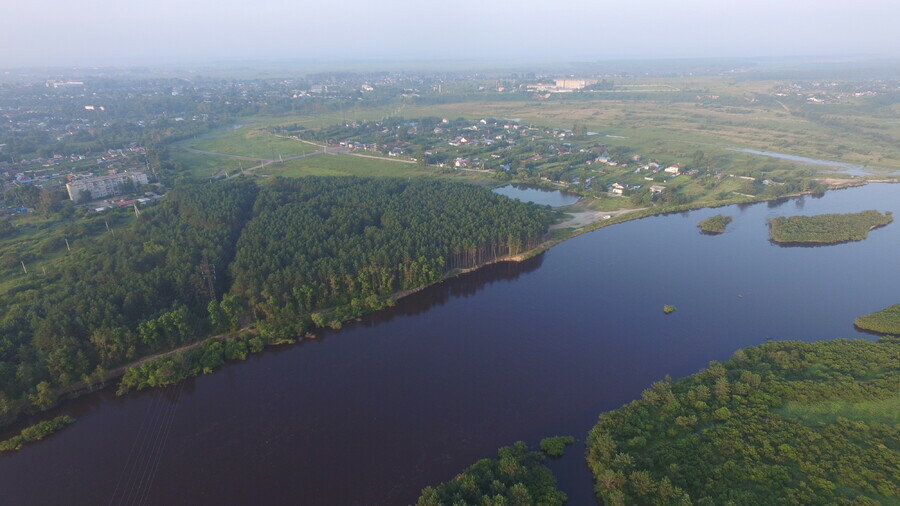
column 464, row 285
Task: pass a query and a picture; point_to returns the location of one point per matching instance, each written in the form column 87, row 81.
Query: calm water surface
column 411, row 396
column 540, row 196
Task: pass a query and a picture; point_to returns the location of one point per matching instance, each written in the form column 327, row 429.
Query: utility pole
column 67, row 244
column 23, row 266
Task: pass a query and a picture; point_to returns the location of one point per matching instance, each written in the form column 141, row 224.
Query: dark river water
column 540, row 196
column 411, row 396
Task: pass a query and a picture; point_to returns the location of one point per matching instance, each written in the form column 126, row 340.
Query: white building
column 103, row 186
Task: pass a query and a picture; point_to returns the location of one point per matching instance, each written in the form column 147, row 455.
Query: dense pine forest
column 213, row 257
column 349, row 243
column 783, row 422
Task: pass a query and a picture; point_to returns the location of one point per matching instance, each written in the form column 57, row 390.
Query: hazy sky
column 101, row 32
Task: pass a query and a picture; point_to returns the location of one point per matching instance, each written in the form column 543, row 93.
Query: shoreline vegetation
column 516, row 476
column 826, row 229
column 782, row 421
column 715, row 225
column 36, row 432
column 883, row 322
column 102, row 376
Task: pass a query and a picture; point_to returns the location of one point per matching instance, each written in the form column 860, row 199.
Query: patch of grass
column 249, row 141
column 886, row 411
column 205, row 166
column 350, row 165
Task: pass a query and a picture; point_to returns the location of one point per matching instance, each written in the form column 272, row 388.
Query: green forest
column 826, row 228
column 886, row 321
column 214, row 257
column 515, row 477
column 715, row 224
column 782, row 422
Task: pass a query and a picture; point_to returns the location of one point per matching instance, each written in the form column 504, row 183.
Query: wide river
column 412, row 395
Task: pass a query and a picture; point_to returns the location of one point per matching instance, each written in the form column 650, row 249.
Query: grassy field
column 249, row 141
column 206, row 166
column 885, row 411
column 350, row 165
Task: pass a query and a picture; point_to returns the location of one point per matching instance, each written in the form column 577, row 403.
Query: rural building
column 574, row 84
column 104, row 186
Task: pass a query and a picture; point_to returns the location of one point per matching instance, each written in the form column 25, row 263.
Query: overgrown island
column 885, row 321
column 785, row 421
column 715, row 224
column 826, row 228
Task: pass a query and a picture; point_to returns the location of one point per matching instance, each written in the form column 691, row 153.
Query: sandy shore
column 582, row 218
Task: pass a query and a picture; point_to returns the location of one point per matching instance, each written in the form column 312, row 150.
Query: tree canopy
column 515, row 477
column 212, row 257
column 796, row 422
column 826, row 228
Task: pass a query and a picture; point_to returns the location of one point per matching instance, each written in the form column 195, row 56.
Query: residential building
column 104, row 186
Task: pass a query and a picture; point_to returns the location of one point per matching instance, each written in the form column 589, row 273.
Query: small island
column 669, row 309
column 826, row 228
column 886, row 321
column 714, row 225
column 556, row 446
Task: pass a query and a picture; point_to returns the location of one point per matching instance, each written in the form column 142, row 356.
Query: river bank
column 411, row 395
column 554, row 237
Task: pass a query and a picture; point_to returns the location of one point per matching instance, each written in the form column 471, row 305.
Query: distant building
column 674, row 169
column 574, row 84
column 103, row 186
